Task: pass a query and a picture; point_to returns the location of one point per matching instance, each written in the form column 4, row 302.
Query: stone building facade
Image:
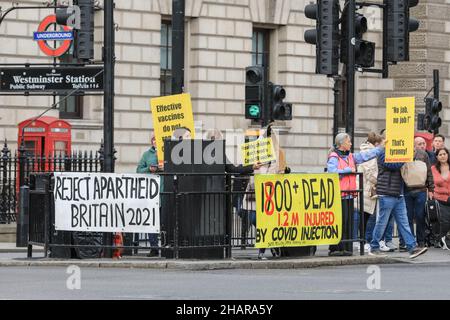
column 219, row 45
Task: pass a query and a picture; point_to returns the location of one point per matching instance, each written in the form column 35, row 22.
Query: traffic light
column 83, row 23
column 279, row 110
column 399, row 25
column 325, row 36
column 432, row 120
column 364, row 50
column 84, row 37
column 254, row 92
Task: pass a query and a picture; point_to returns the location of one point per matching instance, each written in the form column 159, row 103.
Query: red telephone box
column 47, row 137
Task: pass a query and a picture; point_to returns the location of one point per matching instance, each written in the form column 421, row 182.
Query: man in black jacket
column 390, row 191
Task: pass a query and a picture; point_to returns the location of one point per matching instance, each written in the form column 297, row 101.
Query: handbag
column 415, row 174
column 433, row 210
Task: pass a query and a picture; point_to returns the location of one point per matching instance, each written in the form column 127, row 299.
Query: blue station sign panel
column 53, row 35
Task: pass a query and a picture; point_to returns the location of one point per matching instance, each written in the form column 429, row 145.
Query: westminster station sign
column 60, row 79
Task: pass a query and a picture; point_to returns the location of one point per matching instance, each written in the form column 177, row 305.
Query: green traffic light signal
column 253, row 111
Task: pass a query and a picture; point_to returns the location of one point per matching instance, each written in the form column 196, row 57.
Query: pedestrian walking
column 369, row 170
column 390, row 191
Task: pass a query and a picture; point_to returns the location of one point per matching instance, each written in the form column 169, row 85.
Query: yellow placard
column 298, row 210
column 260, row 150
column 400, row 129
column 169, row 114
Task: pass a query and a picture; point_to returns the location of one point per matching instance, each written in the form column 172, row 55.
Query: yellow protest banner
column 260, row 150
column 169, row 114
column 298, row 210
column 400, row 129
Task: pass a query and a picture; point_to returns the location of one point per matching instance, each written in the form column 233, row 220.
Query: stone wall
column 218, row 48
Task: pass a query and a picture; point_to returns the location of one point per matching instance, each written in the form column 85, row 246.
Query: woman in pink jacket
column 441, row 175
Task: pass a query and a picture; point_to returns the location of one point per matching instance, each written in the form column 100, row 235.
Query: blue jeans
column 387, row 237
column 389, row 233
column 370, row 226
column 396, row 207
column 415, row 205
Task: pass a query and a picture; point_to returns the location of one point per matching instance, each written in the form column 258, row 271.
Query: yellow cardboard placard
column 400, row 114
column 260, row 150
column 170, row 113
column 298, row 210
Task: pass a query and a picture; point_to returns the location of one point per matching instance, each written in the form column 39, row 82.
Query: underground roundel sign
column 42, row 36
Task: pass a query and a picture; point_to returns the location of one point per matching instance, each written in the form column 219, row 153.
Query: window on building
column 260, row 47
column 70, row 107
column 166, row 58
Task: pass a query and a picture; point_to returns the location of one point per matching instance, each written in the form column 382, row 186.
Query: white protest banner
column 107, row 202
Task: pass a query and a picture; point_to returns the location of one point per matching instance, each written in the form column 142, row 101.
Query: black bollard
column 23, row 218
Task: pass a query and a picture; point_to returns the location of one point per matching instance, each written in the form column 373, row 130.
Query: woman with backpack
column 441, row 174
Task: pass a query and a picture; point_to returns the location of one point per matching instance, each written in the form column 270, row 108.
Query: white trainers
column 443, row 243
column 391, row 246
column 366, row 247
column 384, row 248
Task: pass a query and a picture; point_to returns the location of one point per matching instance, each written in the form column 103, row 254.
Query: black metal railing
column 15, row 171
column 202, row 216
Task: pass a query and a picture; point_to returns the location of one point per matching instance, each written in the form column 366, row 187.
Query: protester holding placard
column 342, row 161
column 269, row 168
column 369, row 170
column 390, row 191
column 149, row 164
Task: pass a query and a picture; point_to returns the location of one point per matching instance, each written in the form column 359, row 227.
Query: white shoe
column 384, row 248
column 444, row 244
column 391, row 246
column 366, row 247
